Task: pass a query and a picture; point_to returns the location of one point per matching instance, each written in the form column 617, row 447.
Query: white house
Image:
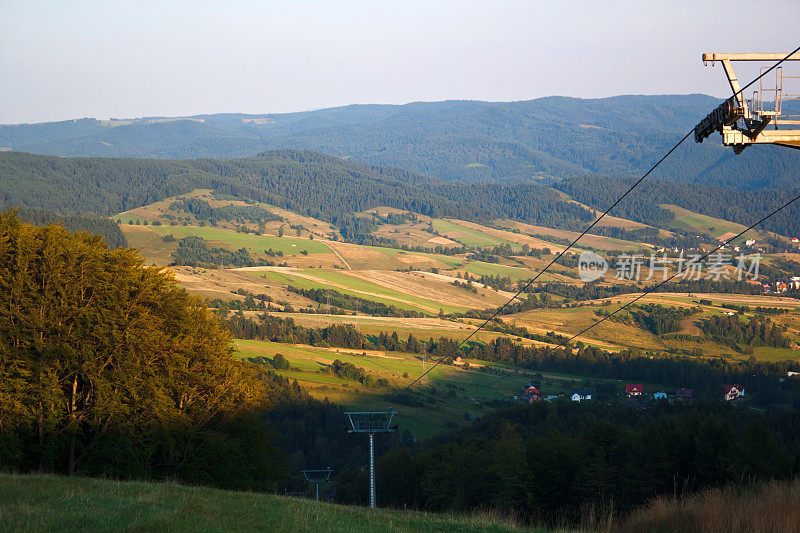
column 580, row 395
column 660, row 396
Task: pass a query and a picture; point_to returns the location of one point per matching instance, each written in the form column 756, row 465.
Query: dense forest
column 309, row 183
column 104, row 227
column 324, row 187
column 552, row 462
column 642, row 204
column 453, row 140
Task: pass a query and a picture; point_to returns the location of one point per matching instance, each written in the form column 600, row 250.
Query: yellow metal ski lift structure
column 763, row 119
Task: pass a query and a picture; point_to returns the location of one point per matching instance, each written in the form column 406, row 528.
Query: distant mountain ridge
column 468, row 141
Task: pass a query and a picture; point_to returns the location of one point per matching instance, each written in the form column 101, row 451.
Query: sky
column 64, row 59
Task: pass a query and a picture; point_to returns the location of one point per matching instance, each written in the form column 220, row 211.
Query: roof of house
column 634, row 387
column 582, row 392
column 735, row 386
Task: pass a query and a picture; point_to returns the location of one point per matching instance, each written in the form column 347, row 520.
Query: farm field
column 695, row 222
column 479, row 268
column 457, row 395
column 423, row 282
column 467, row 234
column 614, row 335
column 588, row 241
column 378, row 286
column 254, row 243
column 36, row 502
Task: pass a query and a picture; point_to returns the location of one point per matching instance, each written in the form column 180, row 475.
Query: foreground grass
column 55, row 503
column 773, row 506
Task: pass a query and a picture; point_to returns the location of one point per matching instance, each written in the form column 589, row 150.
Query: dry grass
column 773, row 506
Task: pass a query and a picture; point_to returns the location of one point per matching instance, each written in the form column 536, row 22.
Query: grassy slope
column 364, row 289
column 694, row 222
column 479, row 268
column 254, row 243
column 53, row 503
column 468, row 236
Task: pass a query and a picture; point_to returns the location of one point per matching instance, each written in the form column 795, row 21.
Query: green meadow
column 254, row 243
column 54, row 503
column 468, row 236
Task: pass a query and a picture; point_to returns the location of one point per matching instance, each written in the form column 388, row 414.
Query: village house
column 660, row 395
column 531, row 393
column 733, row 392
column 581, row 395
column 633, row 390
column 684, row 394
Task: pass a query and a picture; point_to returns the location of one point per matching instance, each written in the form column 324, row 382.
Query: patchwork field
column 455, row 393
column 425, row 283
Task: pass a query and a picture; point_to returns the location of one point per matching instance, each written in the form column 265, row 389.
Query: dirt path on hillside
column 334, row 250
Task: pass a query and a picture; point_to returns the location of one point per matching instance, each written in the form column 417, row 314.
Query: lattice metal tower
column 371, row 422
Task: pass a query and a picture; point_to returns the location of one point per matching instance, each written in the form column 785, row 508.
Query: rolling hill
column 469, row 141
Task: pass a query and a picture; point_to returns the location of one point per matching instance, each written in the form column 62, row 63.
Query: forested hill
column 309, row 183
column 454, row 140
column 642, row 204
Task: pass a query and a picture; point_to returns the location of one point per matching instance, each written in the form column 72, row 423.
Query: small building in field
column 580, row 395
column 733, row 392
column 684, row 394
column 660, row 395
column 633, row 390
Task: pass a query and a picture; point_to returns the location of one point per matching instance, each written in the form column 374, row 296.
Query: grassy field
column 456, row 394
column 354, row 286
column 468, row 236
column 588, row 241
column 150, row 243
column 254, row 243
column 54, row 503
column 695, row 222
column 479, row 268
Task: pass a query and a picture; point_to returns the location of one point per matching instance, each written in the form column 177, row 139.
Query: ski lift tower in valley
column 770, row 116
column 371, row 422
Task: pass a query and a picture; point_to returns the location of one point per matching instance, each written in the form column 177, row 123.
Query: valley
column 426, row 280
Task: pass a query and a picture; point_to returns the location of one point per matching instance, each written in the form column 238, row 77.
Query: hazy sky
column 62, row 60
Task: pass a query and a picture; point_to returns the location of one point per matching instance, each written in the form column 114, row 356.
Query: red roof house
column 733, row 392
column 634, row 389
